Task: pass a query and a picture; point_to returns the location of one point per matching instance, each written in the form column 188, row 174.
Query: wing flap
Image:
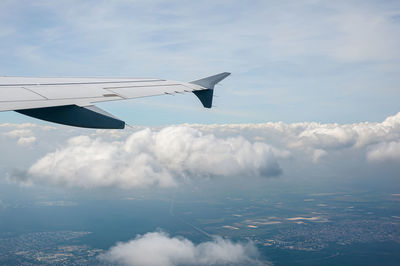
column 137, row 92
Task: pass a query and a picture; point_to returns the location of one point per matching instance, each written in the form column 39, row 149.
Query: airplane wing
column 70, row 101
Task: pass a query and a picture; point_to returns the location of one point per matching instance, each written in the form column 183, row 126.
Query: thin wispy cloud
column 327, row 56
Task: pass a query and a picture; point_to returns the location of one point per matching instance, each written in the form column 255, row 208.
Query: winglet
column 206, row 95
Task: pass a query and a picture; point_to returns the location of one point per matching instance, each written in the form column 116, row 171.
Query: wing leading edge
column 71, row 101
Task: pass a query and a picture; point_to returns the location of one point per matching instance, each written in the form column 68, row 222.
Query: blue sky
column 290, row 60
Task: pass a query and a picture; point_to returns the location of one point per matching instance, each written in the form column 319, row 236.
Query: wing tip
column 209, row 82
column 206, row 96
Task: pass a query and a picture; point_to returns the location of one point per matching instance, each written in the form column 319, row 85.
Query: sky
column 291, row 61
column 312, row 101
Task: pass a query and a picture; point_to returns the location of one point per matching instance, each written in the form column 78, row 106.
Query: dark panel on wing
column 73, row 115
column 206, row 97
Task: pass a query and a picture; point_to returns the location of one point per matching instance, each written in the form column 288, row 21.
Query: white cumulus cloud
column 163, row 158
column 385, row 152
column 169, row 156
column 159, row 249
column 317, row 140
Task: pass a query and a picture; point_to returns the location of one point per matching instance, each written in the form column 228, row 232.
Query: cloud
column 385, row 152
column 19, row 133
column 24, row 128
column 316, row 140
column 25, row 136
column 158, row 32
column 169, row 156
column 338, row 137
column 159, row 249
column 26, row 141
column 148, row 157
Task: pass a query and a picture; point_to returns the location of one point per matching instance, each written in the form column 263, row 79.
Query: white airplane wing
column 70, row 101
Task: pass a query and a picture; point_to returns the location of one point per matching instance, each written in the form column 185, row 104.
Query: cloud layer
column 159, row 249
column 170, row 156
column 312, row 141
column 163, row 158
